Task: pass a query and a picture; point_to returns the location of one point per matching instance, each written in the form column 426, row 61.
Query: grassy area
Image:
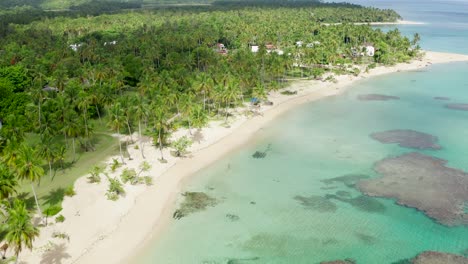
column 51, row 190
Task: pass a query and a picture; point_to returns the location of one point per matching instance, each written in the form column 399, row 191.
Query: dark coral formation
column 441, row 98
column 434, row 257
column 407, row 138
column 463, row 107
column 349, row 179
column 376, row 97
column 232, row 217
column 317, row 203
column 346, row 261
column 422, row 182
column 368, row 239
column 259, row 155
column 343, row 194
column 242, row 260
column 363, row 203
column 194, row 202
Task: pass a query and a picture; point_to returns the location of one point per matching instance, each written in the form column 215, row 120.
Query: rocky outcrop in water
column 407, row 138
column 194, row 202
column 349, row 179
column 441, row 98
column 376, row 97
column 424, row 183
column 316, row 202
column 434, row 257
column 346, row 261
column 463, row 107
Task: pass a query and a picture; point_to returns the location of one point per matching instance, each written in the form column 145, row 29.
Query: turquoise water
column 320, row 141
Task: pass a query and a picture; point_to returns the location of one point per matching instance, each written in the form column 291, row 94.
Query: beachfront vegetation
column 69, row 82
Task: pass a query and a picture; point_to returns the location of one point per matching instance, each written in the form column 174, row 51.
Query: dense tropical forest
column 68, row 81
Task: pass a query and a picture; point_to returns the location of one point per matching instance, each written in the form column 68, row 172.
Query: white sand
column 399, row 22
column 103, row 231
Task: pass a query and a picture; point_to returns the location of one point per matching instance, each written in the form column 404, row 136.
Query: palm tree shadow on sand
column 55, row 255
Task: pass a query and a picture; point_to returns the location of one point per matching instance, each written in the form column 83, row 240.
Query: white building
column 254, row 48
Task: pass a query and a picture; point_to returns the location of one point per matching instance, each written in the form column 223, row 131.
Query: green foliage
column 60, row 219
column 95, row 174
column 115, row 189
column 61, row 235
column 53, row 210
column 129, row 175
column 69, row 191
column 115, row 165
column 180, row 146
column 148, row 180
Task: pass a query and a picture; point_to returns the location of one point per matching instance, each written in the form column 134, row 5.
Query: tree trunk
column 99, row 114
column 141, row 139
column 74, row 150
column 160, row 144
column 17, row 258
column 50, row 168
column 37, row 202
column 86, row 131
column 120, row 146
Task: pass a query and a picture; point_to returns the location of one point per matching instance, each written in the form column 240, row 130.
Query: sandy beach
column 399, row 22
column 103, row 231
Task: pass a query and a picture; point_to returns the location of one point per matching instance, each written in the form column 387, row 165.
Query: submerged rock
column 407, row 138
column 363, row 203
column 232, row 217
column 422, row 182
column 441, row 98
column 349, row 179
column 376, row 97
column 368, row 239
column 316, row 202
column 194, row 202
column 343, row 194
column 259, row 155
column 463, row 107
column 346, row 261
column 434, row 257
column 242, row 260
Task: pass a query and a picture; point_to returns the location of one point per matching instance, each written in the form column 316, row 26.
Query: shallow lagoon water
column 288, row 206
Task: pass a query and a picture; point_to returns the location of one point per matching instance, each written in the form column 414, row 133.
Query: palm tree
column 160, row 124
column 203, row 84
column 21, row 232
column 141, row 113
column 48, row 151
column 8, row 182
column 117, row 120
column 71, row 128
column 28, row 167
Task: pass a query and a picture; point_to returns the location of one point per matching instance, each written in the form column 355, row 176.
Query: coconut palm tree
column 141, row 113
column 20, row 230
column 72, row 129
column 117, row 120
column 28, row 167
column 8, row 182
column 48, row 151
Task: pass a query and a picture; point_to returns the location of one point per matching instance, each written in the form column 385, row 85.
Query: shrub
column 69, row 191
column 61, row 235
column 115, row 164
column 148, row 180
column 53, row 210
column 60, row 219
column 181, row 146
column 115, row 189
column 95, row 176
column 129, row 175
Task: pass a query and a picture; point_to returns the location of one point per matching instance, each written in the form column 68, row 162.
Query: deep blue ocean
column 259, row 217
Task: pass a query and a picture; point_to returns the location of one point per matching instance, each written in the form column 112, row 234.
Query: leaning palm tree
column 117, row 120
column 20, row 231
column 28, row 167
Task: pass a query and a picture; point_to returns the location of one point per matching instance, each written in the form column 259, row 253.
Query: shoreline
column 99, row 228
column 398, row 22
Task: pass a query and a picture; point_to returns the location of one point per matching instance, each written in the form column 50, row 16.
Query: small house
column 221, row 49
column 299, row 43
column 254, row 48
column 369, row 49
column 48, row 88
column 114, row 42
column 75, row 46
